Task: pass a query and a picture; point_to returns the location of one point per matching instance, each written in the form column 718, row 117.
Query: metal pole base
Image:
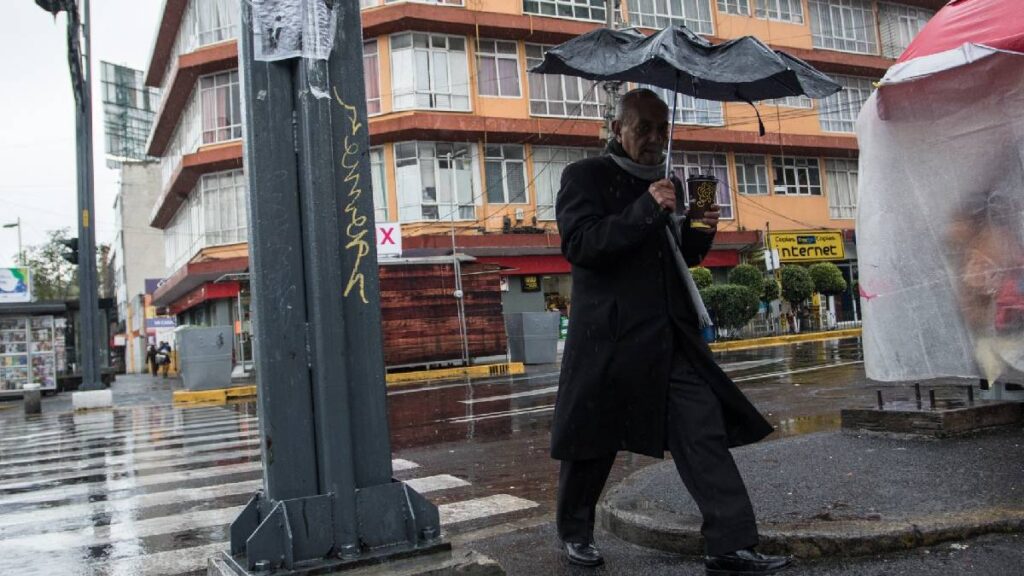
column 393, row 521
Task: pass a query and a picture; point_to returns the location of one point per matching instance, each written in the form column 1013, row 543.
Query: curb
column 783, row 340
column 218, row 396
column 812, row 539
column 482, row 371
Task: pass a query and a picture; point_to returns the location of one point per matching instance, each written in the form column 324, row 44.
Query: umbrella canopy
column 743, row 69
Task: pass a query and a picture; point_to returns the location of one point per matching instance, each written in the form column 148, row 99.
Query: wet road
column 151, row 489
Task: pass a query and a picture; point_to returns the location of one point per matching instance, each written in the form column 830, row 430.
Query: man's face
column 643, row 130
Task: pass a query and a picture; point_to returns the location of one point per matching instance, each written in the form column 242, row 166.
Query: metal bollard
column 32, row 398
column 917, row 394
column 931, row 398
column 881, row 404
column 970, row 395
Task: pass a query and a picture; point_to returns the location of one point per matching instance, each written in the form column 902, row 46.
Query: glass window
column 429, row 71
column 221, row 110
column 741, row 7
column 548, row 164
column 791, row 102
column 797, row 176
column 576, row 9
column 498, row 68
column 693, row 163
column 899, row 25
column 368, row 3
column 556, row 95
column 781, row 10
column 505, row 172
column 751, row 175
column 216, row 212
column 379, row 183
column 841, row 176
column 846, row 25
column 694, row 14
column 371, row 72
column 690, row 110
column 217, row 20
column 424, row 181
column 838, row 112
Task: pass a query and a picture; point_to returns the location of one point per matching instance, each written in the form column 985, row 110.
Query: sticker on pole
column 389, row 239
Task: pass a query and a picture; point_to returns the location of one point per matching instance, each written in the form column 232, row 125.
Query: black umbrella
column 740, row 70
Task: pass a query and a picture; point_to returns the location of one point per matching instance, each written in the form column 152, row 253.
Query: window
column 782, row 10
column 548, row 164
column 224, row 205
column 898, row 25
column 556, row 95
column 693, row 163
column 577, row 9
column 379, row 183
column 444, row 2
column 751, row 175
column 368, row 3
column 505, row 171
column 429, row 71
column 797, row 176
column 791, row 102
column 841, row 176
column 694, row 14
column 497, row 68
column 217, row 20
column 424, row 181
column 741, row 7
column 222, row 113
column 838, row 112
column 846, row 25
column 371, row 71
column 690, row 110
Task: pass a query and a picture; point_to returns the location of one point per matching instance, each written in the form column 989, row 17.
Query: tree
column 53, row 277
column 749, row 276
column 771, row 290
column 702, row 277
column 828, row 279
column 797, row 284
column 731, row 305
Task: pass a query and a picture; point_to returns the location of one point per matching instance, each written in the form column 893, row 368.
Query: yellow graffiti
column 706, row 194
column 355, row 230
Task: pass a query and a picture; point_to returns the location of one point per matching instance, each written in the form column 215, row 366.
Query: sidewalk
column 836, row 494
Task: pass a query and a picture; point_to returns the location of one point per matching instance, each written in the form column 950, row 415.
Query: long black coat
column 628, row 304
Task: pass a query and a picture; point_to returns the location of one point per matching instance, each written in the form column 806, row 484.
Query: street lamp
column 21, row 254
column 461, row 304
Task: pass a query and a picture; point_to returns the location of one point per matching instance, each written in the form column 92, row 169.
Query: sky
column 37, row 115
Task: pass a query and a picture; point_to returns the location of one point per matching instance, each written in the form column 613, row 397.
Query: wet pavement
column 150, row 489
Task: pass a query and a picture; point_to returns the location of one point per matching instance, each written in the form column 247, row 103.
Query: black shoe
column 582, row 554
column 745, row 562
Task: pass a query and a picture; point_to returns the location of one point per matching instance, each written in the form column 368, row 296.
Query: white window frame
column 590, row 104
column 799, row 175
column 838, row 112
column 379, row 182
column 690, row 110
column 413, row 196
column 570, row 9
column 410, row 92
column 505, row 158
column 841, row 174
column 844, row 26
column 898, row 25
column 686, row 164
column 737, row 7
column 372, row 58
column 212, row 84
column 202, row 219
column 801, row 101
column 791, row 11
column 489, row 50
column 694, row 14
column 548, row 164
column 752, row 177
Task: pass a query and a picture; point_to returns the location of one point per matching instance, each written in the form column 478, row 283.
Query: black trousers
column 697, row 440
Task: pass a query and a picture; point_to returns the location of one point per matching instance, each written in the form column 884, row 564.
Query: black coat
column 628, row 304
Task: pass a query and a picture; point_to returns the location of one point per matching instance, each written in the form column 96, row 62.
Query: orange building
column 464, row 136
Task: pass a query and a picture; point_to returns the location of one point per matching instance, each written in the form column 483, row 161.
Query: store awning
column 535, row 265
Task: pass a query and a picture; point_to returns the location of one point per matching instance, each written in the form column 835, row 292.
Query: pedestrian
column 164, row 358
column 151, row 359
column 636, row 374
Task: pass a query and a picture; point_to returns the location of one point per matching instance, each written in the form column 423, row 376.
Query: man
column 636, row 373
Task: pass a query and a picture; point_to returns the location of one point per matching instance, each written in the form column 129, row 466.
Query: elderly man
column 636, row 373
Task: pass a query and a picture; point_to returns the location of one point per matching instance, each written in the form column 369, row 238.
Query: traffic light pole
column 328, row 498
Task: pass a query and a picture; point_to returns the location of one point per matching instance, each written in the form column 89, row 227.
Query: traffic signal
column 72, row 253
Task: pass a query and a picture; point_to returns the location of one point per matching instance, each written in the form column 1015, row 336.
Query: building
column 464, row 136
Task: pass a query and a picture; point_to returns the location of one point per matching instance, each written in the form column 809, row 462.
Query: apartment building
column 463, row 136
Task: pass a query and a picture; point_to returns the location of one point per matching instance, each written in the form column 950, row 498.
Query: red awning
column 721, row 259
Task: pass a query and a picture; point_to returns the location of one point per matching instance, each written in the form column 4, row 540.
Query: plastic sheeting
column 285, row 29
column 940, row 227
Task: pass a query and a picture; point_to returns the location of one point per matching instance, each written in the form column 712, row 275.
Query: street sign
column 389, row 239
column 15, row 285
column 808, row 246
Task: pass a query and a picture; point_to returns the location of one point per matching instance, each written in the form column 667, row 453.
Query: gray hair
column 630, row 100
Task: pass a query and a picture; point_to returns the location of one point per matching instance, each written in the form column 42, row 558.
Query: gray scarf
column 651, row 173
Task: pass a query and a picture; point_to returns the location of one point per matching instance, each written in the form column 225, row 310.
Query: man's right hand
column 664, row 193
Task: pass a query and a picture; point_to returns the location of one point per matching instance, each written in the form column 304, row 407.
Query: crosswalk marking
column 467, row 510
column 110, row 428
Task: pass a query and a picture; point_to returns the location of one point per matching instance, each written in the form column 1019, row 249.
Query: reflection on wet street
column 152, row 489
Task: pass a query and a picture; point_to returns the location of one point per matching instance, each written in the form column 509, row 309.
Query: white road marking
column 125, row 423
column 170, row 563
column 798, row 371
column 467, row 510
column 435, row 483
column 505, row 414
column 398, row 464
column 524, row 394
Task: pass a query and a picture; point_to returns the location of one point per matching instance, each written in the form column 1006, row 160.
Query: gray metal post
column 328, row 496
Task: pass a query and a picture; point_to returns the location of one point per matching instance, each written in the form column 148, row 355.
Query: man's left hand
column 710, row 219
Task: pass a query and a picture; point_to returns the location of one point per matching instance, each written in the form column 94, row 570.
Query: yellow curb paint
column 218, row 396
column 483, row 371
column 783, row 340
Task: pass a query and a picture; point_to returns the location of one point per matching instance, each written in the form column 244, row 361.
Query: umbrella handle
column 672, row 126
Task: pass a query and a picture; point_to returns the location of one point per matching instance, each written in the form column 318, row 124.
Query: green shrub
column 749, row 276
column 827, row 278
column 797, row 284
column 771, row 290
column 730, row 305
column 702, row 277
